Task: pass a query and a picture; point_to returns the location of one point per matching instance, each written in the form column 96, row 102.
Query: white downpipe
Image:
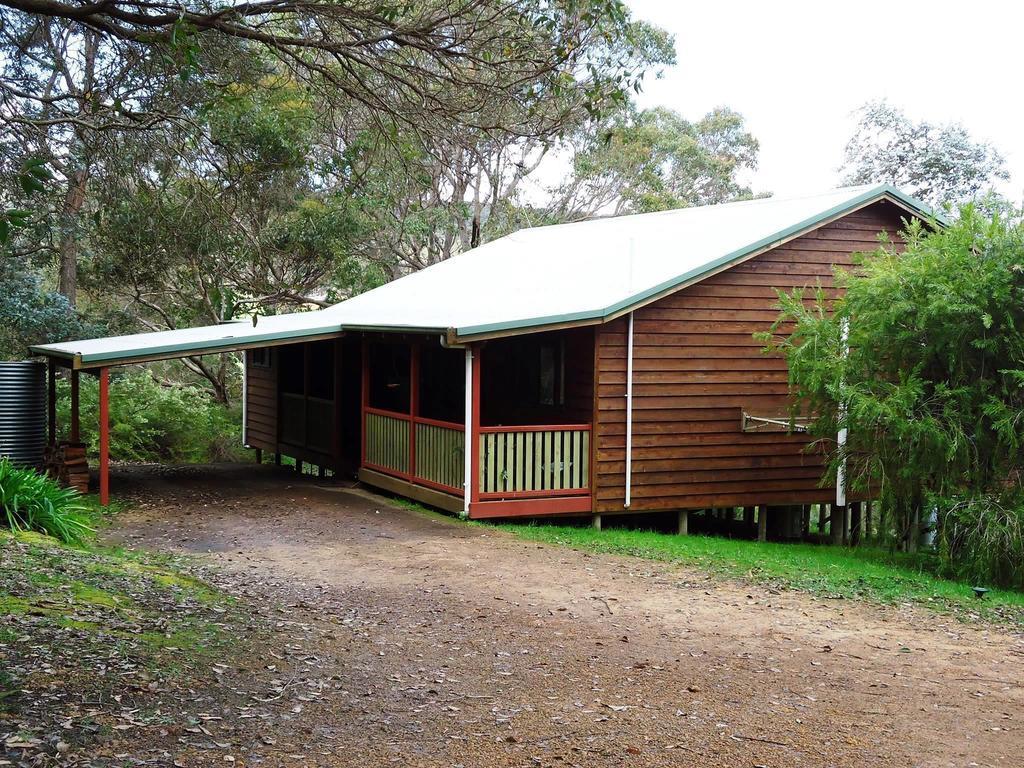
column 841, row 437
column 245, row 397
column 469, row 436
column 629, row 414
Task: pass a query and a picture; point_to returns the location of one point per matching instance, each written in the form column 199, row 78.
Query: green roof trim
column 876, row 194
column 210, row 346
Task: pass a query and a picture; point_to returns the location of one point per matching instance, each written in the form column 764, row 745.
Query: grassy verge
column 870, row 574
column 88, row 600
column 94, row 640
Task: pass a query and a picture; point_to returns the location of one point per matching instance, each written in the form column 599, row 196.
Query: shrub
column 150, row 422
column 33, row 502
column 981, row 539
column 921, row 363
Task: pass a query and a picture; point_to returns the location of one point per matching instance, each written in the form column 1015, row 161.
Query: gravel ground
column 415, row 640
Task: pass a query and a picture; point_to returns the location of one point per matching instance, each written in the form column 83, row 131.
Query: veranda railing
column 534, row 461
column 424, row 451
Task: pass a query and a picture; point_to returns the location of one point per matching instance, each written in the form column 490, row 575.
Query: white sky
column 796, row 71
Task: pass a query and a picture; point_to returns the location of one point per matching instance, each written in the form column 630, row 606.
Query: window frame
column 256, row 362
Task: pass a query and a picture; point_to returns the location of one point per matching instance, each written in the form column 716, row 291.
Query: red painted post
column 414, row 403
column 474, row 480
column 104, row 436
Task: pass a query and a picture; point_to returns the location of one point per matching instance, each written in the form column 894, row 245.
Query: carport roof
column 567, row 274
column 183, row 342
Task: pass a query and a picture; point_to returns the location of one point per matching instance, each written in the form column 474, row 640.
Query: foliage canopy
column 930, row 385
column 938, row 163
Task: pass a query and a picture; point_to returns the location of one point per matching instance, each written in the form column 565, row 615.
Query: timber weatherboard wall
column 697, row 368
column 261, row 403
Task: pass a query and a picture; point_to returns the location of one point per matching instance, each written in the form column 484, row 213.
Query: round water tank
column 23, row 412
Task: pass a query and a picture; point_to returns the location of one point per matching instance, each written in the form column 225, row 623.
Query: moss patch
column 92, row 598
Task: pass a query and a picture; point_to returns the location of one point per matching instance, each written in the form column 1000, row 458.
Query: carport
column 96, row 357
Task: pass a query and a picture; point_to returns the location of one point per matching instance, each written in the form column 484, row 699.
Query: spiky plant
column 30, row 501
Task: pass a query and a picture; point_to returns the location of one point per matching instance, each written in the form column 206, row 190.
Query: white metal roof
column 182, row 342
column 582, row 272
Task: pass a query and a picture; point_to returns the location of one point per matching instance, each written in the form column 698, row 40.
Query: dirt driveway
column 455, row 645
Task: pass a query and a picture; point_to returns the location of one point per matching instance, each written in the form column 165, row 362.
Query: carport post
column 104, row 436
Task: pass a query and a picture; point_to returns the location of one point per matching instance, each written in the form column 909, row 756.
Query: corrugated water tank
column 23, row 411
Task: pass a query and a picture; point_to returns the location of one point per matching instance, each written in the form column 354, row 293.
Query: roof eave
column 172, row 351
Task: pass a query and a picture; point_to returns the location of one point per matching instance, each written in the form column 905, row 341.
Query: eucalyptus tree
column 230, row 222
column 638, row 161
column 939, row 163
column 77, row 77
column 429, row 196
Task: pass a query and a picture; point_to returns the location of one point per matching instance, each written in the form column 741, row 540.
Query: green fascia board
column 211, row 347
column 187, row 348
column 875, row 194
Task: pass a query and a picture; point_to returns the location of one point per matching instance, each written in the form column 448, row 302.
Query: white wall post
column 245, row 397
column 469, row 437
column 843, row 433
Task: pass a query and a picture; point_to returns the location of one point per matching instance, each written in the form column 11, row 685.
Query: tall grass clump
column 30, row 501
column 981, row 539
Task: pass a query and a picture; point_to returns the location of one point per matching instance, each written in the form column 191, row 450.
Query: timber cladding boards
column 261, row 402
column 697, row 367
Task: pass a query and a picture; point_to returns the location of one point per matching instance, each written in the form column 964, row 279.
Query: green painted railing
column 515, row 462
column 423, row 451
column 387, row 442
column 534, row 461
column 440, row 454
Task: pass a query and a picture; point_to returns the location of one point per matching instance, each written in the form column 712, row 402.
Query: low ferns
column 30, row 501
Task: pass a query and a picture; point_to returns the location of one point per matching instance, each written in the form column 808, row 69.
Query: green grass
column 874, row 575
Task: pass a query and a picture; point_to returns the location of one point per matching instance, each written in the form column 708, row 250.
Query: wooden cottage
column 607, row 366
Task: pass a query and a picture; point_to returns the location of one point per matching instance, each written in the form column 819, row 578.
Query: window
column 442, row 383
column 321, row 370
column 389, row 377
column 259, row 358
column 292, row 359
column 552, row 373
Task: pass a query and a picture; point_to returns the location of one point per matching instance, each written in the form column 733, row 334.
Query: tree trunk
column 913, row 534
column 69, row 242
column 216, row 377
column 837, row 526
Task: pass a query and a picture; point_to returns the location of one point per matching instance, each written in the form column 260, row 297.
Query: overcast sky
column 797, row 70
